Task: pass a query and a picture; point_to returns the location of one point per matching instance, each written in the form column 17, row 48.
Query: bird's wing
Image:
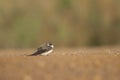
column 40, row 48
column 38, row 52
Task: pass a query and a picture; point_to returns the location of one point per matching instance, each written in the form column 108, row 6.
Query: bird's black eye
column 50, row 44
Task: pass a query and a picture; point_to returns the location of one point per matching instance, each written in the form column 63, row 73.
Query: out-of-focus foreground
column 28, row 23
column 63, row 64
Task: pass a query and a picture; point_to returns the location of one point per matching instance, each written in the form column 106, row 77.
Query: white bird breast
column 46, row 53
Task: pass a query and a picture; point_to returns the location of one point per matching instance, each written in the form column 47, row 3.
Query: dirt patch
column 62, row 64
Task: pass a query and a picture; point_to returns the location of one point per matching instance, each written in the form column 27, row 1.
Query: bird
column 44, row 49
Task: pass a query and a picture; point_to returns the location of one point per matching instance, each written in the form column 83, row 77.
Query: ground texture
column 63, row 64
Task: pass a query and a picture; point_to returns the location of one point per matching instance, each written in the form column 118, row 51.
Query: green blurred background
column 29, row 23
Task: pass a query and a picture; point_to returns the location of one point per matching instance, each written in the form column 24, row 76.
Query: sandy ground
column 63, row 64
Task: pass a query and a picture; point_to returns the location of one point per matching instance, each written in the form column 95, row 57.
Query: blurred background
column 73, row 23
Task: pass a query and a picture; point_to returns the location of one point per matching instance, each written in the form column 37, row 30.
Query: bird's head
column 50, row 45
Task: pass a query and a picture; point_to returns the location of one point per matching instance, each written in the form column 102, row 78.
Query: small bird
column 44, row 49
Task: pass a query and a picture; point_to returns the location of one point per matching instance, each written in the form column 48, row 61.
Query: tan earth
column 63, row 64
